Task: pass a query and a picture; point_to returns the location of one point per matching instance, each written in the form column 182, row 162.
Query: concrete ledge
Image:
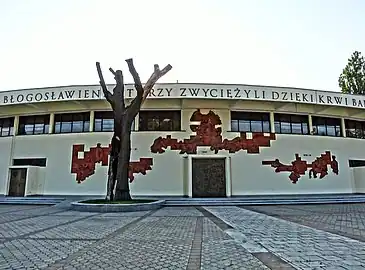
column 89, row 207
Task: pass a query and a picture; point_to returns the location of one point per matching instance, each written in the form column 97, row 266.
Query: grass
column 102, row 201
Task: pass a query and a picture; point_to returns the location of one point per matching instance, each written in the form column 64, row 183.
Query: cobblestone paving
column 38, row 237
column 342, row 219
column 303, row 247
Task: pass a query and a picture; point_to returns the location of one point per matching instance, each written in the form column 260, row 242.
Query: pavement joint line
column 8, row 239
column 267, row 257
column 217, row 221
column 272, row 261
column 63, row 262
column 33, row 216
column 194, row 262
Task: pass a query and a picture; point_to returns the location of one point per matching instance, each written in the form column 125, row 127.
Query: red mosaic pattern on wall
column 299, row 167
column 208, row 134
column 85, row 167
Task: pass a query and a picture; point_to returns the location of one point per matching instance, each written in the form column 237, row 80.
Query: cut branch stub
column 156, row 75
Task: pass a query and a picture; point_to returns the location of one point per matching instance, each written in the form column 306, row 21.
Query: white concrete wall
column 248, row 175
column 166, row 176
column 5, row 152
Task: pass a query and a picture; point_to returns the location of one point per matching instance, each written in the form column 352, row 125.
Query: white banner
column 203, row 91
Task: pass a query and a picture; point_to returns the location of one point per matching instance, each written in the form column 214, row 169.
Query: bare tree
column 123, row 119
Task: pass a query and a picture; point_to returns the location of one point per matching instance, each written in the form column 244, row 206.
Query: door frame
column 227, row 160
column 26, row 179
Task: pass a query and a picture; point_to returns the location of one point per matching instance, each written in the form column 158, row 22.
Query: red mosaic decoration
column 85, row 167
column 208, row 134
column 298, row 167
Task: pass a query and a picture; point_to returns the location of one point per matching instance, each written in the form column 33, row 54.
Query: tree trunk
column 123, row 119
column 122, row 192
column 112, row 171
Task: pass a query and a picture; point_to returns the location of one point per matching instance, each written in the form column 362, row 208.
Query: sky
column 293, row 43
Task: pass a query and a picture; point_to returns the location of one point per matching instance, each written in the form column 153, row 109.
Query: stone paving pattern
column 298, row 237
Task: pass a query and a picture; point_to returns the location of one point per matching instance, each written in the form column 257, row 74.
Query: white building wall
column 248, row 175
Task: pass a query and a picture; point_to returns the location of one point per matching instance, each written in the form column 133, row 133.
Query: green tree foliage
column 352, row 79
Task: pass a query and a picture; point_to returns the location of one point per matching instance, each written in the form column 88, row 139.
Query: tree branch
column 137, row 101
column 107, row 94
column 156, row 75
column 118, row 90
column 112, row 71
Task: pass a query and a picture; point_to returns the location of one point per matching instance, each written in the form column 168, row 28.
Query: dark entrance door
column 18, row 178
column 209, row 177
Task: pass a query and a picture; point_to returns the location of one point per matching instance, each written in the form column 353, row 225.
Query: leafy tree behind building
column 352, row 78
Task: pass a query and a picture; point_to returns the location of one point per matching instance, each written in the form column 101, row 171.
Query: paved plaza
column 219, row 237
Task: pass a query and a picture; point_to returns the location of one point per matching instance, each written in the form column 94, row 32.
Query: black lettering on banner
column 11, row 99
column 284, row 95
column 320, row 99
column 70, row 94
column 46, row 96
column 238, row 93
column 338, row 100
column 354, row 103
column 160, row 92
column 20, row 98
column 182, row 92
column 130, row 90
column 304, row 97
column 95, row 94
column 256, row 95
column 60, row 96
column 263, row 94
column 86, row 94
column 275, row 95
column 297, row 97
column 211, row 92
column 38, row 97
column 54, row 96
column 229, row 93
column 29, row 97
column 194, row 91
column 329, row 100
column 291, row 96
column 152, row 92
column 312, row 98
column 247, row 92
column 80, row 94
column 222, row 94
column 169, row 92
column 5, row 99
column 205, row 91
column 346, row 101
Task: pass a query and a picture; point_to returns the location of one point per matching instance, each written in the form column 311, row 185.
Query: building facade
column 195, row 140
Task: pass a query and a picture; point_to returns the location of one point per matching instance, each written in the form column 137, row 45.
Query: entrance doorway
column 208, row 177
column 18, row 179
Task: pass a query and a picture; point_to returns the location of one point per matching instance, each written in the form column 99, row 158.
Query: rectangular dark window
column 160, row 120
column 291, row 124
column 250, row 122
column 40, row 162
column 104, row 121
column 325, row 126
column 34, row 124
column 6, row 126
column 72, row 122
column 355, row 129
